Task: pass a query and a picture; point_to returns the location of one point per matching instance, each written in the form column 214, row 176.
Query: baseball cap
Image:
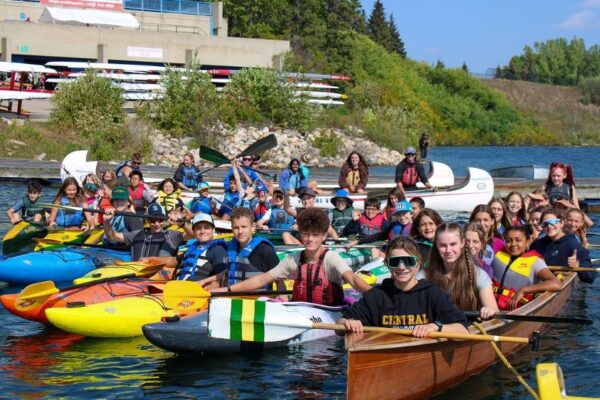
column 201, row 217
column 119, row 193
column 279, row 190
column 202, row 186
column 403, row 206
column 307, row 192
column 410, row 150
column 156, row 210
column 342, row 194
column 90, row 187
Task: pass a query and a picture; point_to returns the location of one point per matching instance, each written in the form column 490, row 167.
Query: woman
column 403, row 301
column 70, row 194
column 499, row 212
column 423, row 231
column 354, row 174
column 561, row 184
column 562, row 249
column 452, row 268
column 187, row 175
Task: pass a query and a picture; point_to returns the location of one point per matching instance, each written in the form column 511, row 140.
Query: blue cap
column 403, row 206
column 202, row 186
column 156, row 210
column 410, row 150
column 342, row 194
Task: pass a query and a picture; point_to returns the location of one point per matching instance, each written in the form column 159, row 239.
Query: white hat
column 201, row 217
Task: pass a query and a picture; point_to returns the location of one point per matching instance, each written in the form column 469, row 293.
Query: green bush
column 590, row 88
column 329, row 144
column 92, row 108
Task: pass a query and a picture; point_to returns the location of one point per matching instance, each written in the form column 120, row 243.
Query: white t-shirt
column 333, row 265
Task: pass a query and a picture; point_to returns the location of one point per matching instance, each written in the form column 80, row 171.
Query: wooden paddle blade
column 260, row 146
column 38, row 289
column 212, row 155
column 185, row 296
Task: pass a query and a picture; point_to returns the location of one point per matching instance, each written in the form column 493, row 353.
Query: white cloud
column 581, row 20
column 591, row 4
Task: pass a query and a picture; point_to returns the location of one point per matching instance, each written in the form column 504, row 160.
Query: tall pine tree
column 378, row 28
column 397, row 45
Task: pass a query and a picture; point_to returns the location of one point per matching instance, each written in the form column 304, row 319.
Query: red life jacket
column 137, row 196
column 410, row 177
column 368, row 226
column 311, row 284
column 260, row 210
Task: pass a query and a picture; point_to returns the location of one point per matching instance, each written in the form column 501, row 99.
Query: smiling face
column 341, row 203
column 497, row 211
column 33, row 196
column 307, row 201
column 294, row 165
column 187, row 161
column 473, row 243
column 242, row 230
column 514, row 203
column 312, row 241
column 534, row 220
column 484, row 219
column 573, row 222
column 427, row 227
column 402, row 275
column 392, row 200
column 404, row 218
column 516, row 243
column 557, row 176
column 355, row 160
column 168, row 187
column 135, row 181
column 203, row 231
column 449, row 245
column 71, row 191
column 552, row 225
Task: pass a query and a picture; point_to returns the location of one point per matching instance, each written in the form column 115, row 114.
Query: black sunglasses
column 394, row 262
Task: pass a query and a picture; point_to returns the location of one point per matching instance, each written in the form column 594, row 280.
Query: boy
column 25, row 209
column 277, row 218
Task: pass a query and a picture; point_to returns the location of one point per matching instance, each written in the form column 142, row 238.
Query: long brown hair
column 62, row 192
column 461, row 287
column 484, row 208
column 426, row 212
column 389, row 210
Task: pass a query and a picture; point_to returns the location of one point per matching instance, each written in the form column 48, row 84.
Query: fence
column 169, row 6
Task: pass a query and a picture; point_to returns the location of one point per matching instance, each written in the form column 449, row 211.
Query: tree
column 397, row 44
column 378, row 27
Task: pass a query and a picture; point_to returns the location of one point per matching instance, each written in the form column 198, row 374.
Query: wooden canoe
column 386, row 366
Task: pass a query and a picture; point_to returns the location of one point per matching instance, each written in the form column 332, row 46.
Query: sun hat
column 410, row 150
column 202, row 185
column 307, row 192
column 201, row 217
column 342, row 194
column 119, row 193
column 156, row 210
column 403, row 206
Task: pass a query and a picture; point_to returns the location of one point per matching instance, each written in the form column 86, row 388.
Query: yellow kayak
column 116, row 318
column 64, row 237
column 369, row 278
column 551, row 383
column 121, row 268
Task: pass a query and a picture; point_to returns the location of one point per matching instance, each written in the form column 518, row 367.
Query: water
column 37, row 361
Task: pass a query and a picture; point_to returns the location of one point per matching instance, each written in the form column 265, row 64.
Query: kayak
column 376, row 269
column 122, row 317
column 60, row 238
column 34, row 309
column 121, row 268
column 189, row 334
column 59, row 265
column 551, row 383
column 19, row 237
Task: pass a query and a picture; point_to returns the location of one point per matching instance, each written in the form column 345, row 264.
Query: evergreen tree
column 464, row 67
column 378, row 28
column 397, row 44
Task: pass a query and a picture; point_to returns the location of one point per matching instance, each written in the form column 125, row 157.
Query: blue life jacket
column 399, row 230
column 230, row 201
column 68, row 218
column 192, row 260
column 201, row 204
column 190, row 176
column 119, row 169
column 280, row 219
column 239, row 260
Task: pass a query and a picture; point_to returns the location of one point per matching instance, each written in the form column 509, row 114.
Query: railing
column 169, row 6
column 169, row 28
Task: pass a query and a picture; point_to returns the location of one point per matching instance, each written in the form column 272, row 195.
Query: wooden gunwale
column 386, row 366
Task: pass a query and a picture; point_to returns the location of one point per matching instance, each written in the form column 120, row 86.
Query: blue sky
column 486, row 33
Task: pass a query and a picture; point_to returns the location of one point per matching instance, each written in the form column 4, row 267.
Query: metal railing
column 169, row 28
column 169, row 6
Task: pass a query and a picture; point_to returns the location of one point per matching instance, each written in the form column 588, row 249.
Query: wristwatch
column 439, row 325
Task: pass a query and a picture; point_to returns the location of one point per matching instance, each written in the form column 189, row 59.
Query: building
column 128, row 31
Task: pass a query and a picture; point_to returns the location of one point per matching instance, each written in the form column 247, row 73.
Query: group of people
column 498, row 261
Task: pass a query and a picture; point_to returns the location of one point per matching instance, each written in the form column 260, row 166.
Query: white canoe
column 23, row 95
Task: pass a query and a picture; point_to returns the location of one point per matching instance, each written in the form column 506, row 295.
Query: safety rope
column 508, row 364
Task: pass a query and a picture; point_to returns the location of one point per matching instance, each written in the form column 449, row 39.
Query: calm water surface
column 36, row 361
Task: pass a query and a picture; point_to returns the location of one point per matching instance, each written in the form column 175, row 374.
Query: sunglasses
column 549, row 222
column 278, row 197
column 153, row 221
column 136, row 163
column 247, row 158
column 410, row 155
column 409, row 262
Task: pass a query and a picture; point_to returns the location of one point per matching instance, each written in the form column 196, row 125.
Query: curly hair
column 242, row 212
column 313, row 220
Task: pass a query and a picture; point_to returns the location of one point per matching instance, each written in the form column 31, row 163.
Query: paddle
column 261, row 321
column 47, row 288
column 260, row 146
column 94, row 210
column 216, row 157
column 180, row 295
column 533, row 318
column 578, row 269
column 145, row 270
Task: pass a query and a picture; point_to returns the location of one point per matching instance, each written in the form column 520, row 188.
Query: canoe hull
column 527, row 172
column 432, row 366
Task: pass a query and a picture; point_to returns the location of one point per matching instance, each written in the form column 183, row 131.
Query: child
column 474, row 241
column 561, row 184
column 400, row 227
column 70, row 194
column 277, row 218
column 393, row 197
column 25, row 209
column 138, row 192
column 520, row 274
column 168, row 195
column 204, row 203
column 343, row 212
column 417, row 204
column 231, row 198
column 515, row 209
column 499, row 213
column 263, row 204
column 368, row 223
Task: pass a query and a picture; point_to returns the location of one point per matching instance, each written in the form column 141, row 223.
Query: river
column 37, row 361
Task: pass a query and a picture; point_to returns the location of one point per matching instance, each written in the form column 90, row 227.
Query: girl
column 423, row 231
column 518, row 273
column 515, row 207
column 575, row 223
column 108, row 175
column 167, row 196
column 482, row 214
column 70, row 194
column 354, row 174
column 452, row 268
column 393, row 197
column 499, row 212
column 474, row 240
column 404, row 301
column 187, row 175
column 534, row 221
column 561, row 184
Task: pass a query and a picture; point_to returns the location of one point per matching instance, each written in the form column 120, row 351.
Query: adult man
column 126, row 167
column 318, row 274
column 423, row 144
column 409, row 171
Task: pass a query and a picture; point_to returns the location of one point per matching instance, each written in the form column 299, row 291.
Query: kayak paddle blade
column 213, row 156
column 38, row 289
column 260, row 146
column 185, row 296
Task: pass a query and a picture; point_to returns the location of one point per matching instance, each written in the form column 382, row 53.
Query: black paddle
column 533, row 318
column 216, row 157
column 260, row 146
column 94, row 210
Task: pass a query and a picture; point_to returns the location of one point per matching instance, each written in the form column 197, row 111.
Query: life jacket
column 149, row 244
column 119, row 169
column 29, row 209
column 280, row 219
column 201, row 204
column 190, row 175
column 522, row 266
column 137, row 196
column 399, row 230
column 554, row 193
column 230, row 201
column 353, row 177
column 193, row 258
column 239, row 260
column 409, row 176
column 341, row 218
column 169, row 201
column 103, row 205
column 68, row 218
column 311, row 284
column 260, row 210
column 368, row 227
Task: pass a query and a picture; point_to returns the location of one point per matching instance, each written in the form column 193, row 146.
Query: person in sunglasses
column 277, row 218
column 561, row 249
column 246, row 166
column 127, row 167
column 409, row 171
column 404, row 301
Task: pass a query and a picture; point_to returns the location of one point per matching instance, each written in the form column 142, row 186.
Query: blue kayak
column 62, row 264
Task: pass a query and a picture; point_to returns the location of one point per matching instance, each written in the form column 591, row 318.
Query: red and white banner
column 97, row 4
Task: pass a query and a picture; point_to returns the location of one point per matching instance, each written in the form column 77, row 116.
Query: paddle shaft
column 533, row 318
column 93, row 210
column 578, row 269
column 433, row 335
column 250, row 293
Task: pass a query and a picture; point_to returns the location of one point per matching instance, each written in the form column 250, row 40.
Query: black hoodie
column 388, row 306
